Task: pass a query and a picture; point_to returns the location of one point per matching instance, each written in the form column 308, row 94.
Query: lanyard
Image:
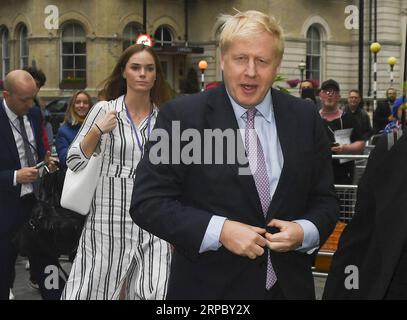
column 19, row 132
column 333, row 132
column 140, row 145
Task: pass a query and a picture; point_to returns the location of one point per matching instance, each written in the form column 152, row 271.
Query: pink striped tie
column 259, row 170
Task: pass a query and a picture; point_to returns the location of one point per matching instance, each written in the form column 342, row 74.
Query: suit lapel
column 7, row 133
column 285, row 133
column 221, row 116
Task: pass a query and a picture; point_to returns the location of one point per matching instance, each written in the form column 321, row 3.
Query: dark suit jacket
column 11, row 215
column 373, row 241
column 381, row 115
column 176, row 202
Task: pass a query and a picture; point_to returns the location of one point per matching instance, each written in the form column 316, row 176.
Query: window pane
column 157, row 35
column 81, row 75
column 79, row 33
column 315, row 63
column 24, row 62
column 80, row 47
column 132, row 31
column 67, row 62
column 67, row 74
column 166, row 35
column 80, row 62
column 68, row 33
column 309, row 47
column 24, row 48
column 315, row 47
column 67, row 47
column 130, row 34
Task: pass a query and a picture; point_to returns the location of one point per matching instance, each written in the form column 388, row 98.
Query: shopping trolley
column 346, row 195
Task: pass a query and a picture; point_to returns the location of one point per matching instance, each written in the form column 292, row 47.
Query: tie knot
column 251, row 114
column 20, row 119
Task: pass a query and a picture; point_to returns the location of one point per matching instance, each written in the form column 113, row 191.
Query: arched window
column 23, row 46
column 162, row 37
column 73, row 53
column 130, row 34
column 5, row 52
column 313, row 70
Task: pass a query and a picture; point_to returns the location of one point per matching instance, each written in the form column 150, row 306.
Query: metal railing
column 347, row 200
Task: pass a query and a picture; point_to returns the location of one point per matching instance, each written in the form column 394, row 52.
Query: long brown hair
column 70, row 115
column 115, row 85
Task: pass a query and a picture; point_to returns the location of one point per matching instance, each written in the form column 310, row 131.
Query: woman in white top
column 116, row 257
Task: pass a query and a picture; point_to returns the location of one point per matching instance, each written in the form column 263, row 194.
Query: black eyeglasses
column 330, row 92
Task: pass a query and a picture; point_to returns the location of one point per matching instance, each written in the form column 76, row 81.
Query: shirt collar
column 265, row 108
column 11, row 115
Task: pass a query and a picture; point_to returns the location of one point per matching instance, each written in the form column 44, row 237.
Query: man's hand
column 51, row 162
column 339, row 149
column 289, row 238
column 243, row 239
column 27, row 175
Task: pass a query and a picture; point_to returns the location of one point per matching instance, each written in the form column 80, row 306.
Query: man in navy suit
column 20, row 132
column 238, row 235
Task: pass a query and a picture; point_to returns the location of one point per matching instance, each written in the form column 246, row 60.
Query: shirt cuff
column 311, row 236
column 15, row 179
column 210, row 241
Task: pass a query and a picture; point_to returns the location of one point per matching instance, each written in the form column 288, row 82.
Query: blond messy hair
column 249, row 23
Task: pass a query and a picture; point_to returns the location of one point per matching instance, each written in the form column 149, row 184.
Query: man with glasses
column 343, row 131
column 355, row 107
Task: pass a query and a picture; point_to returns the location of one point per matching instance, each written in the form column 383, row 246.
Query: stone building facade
column 81, row 46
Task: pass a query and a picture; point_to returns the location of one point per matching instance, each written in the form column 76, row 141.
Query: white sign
column 144, row 39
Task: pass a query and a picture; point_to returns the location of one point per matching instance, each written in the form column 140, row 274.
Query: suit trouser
column 7, row 260
column 46, row 271
column 8, row 251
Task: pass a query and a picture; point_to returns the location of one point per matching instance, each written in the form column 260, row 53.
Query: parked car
column 55, row 110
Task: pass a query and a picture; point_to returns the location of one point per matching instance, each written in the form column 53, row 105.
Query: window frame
column 24, row 49
column 5, row 51
column 137, row 26
column 161, row 42
column 311, row 55
column 75, row 81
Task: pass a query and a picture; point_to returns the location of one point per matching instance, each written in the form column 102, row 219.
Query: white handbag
column 79, row 187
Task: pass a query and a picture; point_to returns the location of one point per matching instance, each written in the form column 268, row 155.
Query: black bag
column 50, row 230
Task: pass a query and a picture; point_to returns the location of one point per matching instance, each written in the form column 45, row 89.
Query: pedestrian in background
column 78, row 108
column 355, row 107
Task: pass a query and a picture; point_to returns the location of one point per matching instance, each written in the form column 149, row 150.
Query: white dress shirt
column 266, row 130
column 14, row 123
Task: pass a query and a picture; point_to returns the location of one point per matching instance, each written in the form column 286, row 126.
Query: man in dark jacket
column 381, row 116
column 22, row 148
column 355, row 107
column 371, row 260
column 241, row 235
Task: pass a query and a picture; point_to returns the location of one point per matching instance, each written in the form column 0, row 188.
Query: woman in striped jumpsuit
column 115, row 257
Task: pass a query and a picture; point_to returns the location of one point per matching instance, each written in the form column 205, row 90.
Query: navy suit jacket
column 11, row 215
column 176, row 201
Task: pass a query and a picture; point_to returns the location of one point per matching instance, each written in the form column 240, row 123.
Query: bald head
column 19, row 92
column 15, row 78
